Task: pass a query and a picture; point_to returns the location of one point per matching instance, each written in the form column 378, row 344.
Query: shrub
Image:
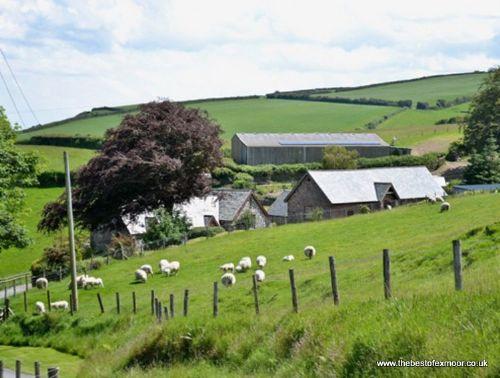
column 78, row 141
column 198, row 232
column 336, row 157
column 243, row 181
column 364, row 209
column 123, row 246
column 246, row 220
column 432, row 161
column 422, row 105
column 316, row 214
column 456, row 150
column 166, row 228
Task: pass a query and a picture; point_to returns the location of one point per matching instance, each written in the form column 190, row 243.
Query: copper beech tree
column 159, row 157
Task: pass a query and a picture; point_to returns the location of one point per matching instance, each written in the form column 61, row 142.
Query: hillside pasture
column 52, row 156
column 420, row 322
column 428, row 90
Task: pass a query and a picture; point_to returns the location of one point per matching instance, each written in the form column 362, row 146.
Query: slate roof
column 230, row 202
column 381, row 189
column 477, row 187
column 314, row 139
column 358, row 186
column 279, row 208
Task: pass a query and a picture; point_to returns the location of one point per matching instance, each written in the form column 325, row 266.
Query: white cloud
column 73, row 55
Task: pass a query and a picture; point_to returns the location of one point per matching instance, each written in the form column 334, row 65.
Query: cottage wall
column 306, row 197
column 261, row 219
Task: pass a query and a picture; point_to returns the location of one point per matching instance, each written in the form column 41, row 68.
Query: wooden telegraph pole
column 74, row 290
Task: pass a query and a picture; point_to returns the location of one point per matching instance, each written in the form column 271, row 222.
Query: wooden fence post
column 6, row 313
column 333, row 276
column 216, row 299
column 53, row 372
column 156, row 308
column 134, row 303
column 26, row 285
column 117, row 303
column 255, row 294
column 48, row 300
column 25, row 300
column 38, row 373
column 1, row 369
column 294, row 290
column 152, row 302
column 457, row 264
column 100, row 302
column 172, row 307
column 18, row 369
column 387, row 274
column 71, row 304
column 160, row 309
column 14, row 287
column 186, row 302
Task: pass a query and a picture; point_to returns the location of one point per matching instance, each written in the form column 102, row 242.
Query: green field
column 16, row 260
column 428, row 90
column 52, row 156
column 426, row 319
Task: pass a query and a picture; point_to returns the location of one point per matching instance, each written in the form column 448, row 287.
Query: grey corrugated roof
column 314, row 139
column 279, row 208
column 230, row 201
column 381, row 189
column 353, row 186
column 477, row 187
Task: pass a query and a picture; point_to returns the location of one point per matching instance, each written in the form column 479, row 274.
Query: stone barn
column 235, row 205
column 254, row 149
column 341, row 193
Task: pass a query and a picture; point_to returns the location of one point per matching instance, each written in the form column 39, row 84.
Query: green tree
column 17, row 170
column 484, row 167
column 166, row 228
column 336, row 157
column 484, row 117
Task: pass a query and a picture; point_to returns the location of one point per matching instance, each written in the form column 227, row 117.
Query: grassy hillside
column 16, row 260
column 429, row 90
column 426, row 318
column 52, row 156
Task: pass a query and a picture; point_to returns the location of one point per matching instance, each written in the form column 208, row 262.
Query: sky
column 70, row 56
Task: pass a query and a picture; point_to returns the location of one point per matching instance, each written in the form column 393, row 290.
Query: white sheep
column 39, row 307
column 388, row 207
column 147, row 268
column 288, row 258
column 445, row 206
column 310, row 251
column 260, row 275
column 261, row 261
column 92, row 282
column 227, row 267
column 172, row 268
column 41, row 283
column 141, row 275
column 228, row 279
column 238, row 269
column 59, row 305
column 245, row 263
column 99, row 282
column 163, row 263
column 439, row 198
column 80, row 281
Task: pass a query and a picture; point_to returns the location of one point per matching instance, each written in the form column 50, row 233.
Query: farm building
column 254, row 149
column 237, row 206
column 201, row 211
column 476, row 188
column 278, row 211
column 340, row 193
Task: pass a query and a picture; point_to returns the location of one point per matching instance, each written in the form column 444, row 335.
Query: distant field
column 52, row 156
column 16, row 260
column 254, row 115
column 428, row 90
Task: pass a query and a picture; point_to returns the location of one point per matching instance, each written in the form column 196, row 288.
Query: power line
column 12, row 99
column 19, row 87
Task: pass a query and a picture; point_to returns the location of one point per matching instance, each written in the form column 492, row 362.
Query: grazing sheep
column 228, row 267
column 39, row 307
column 172, row 268
column 445, row 206
column 92, row 282
column 238, row 269
column 228, row 279
column 99, row 282
column 310, row 251
column 288, row 258
column 147, row 268
column 163, row 263
column 388, row 207
column 59, row 305
column 41, row 283
column 245, row 263
column 260, row 275
column 261, row 261
column 80, row 281
column 141, row 275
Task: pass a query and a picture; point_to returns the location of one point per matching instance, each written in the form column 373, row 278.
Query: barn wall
column 238, row 150
column 261, row 219
column 306, row 197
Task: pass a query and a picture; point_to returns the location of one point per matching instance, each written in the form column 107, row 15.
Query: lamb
column 172, row 268
column 310, row 251
column 92, row 282
column 228, row 279
column 41, row 283
column 141, row 275
column 238, row 269
column 388, row 207
column 147, row 268
column 245, row 263
column 59, row 305
column 80, row 281
column 288, row 258
column 228, row 267
column 163, row 263
column 39, row 307
column 261, row 261
column 445, row 206
column 260, row 275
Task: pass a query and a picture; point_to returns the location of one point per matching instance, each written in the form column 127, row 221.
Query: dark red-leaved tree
column 159, row 157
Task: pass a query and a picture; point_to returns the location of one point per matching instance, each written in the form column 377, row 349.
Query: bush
column 432, row 161
column 77, row 141
column 456, row 151
column 365, row 209
column 166, row 228
column 243, row 181
column 199, row 232
column 123, row 246
column 336, row 157
column 305, row 96
column 422, row 105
